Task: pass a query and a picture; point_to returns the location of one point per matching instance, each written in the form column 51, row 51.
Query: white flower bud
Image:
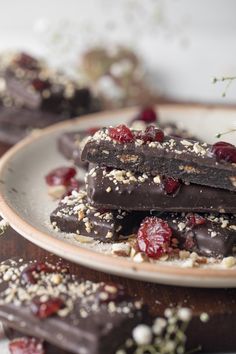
column 142, row 334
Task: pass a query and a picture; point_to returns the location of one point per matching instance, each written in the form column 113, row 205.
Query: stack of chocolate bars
column 174, row 193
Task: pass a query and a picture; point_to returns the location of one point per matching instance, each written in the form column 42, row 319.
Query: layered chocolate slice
column 71, row 144
column 75, row 215
column 44, row 301
column 121, row 189
column 151, row 152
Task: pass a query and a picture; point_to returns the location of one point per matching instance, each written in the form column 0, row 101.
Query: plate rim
column 81, row 255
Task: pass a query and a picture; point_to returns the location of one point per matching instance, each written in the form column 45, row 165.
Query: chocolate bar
column 183, row 159
column 44, row 301
column 75, row 215
column 30, row 83
column 206, row 234
column 71, row 145
column 33, row 96
column 16, row 123
column 121, row 189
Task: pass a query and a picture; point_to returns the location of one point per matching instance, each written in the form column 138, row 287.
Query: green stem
column 219, row 135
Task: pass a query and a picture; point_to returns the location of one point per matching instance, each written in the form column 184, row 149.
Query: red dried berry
column 29, row 274
column 121, row 133
column 60, row 176
column 44, row 309
column 194, row 220
column 73, row 186
column 171, row 185
column 148, row 115
column 111, row 292
column 154, row 236
column 224, row 151
column 26, row 345
column 40, row 85
column 150, row 134
column 26, row 61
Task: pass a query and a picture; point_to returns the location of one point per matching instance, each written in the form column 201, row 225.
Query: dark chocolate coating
column 20, row 91
column 97, row 334
column 101, row 331
column 69, row 145
column 103, row 225
column 149, row 195
column 16, row 123
column 171, row 158
column 212, row 239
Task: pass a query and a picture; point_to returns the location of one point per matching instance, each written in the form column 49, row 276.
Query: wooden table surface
column 158, row 297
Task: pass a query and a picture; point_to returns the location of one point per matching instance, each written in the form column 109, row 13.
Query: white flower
column 142, row 334
column 184, row 314
column 159, row 325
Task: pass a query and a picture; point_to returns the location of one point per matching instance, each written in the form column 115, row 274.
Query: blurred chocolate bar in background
column 34, row 95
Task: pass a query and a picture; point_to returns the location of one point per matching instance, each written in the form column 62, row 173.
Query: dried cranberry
column 121, row 133
column 73, row 186
column 148, row 115
column 60, row 176
column 29, row 274
column 150, row 134
column 44, row 309
column 26, row 345
column 154, row 236
column 195, row 220
column 26, row 61
column 224, row 151
column 40, row 85
column 93, row 130
column 170, row 185
column 111, row 292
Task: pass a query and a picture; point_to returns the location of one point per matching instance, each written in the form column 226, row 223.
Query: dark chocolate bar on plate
column 70, row 145
column 42, row 300
column 123, row 189
column 75, row 215
column 188, row 160
column 210, row 235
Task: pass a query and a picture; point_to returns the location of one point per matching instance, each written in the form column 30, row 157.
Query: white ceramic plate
column 25, row 204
